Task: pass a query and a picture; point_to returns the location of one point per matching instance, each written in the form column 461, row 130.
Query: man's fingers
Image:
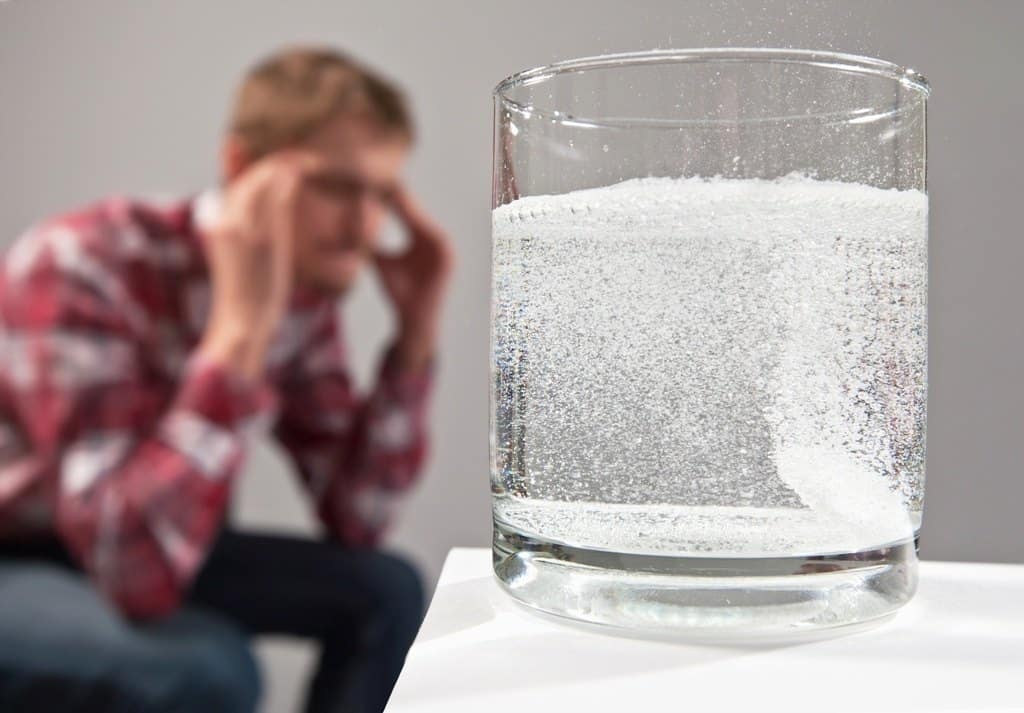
column 427, row 238
column 285, row 175
column 296, row 162
column 386, row 261
column 420, row 225
column 282, row 175
column 286, row 215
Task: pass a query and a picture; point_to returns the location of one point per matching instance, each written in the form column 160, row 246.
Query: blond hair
column 289, row 95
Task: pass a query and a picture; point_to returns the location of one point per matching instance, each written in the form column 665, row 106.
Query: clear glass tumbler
column 709, row 339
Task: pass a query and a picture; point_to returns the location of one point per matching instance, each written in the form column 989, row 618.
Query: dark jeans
column 62, row 648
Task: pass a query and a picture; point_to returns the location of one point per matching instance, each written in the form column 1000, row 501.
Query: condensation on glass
column 709, row 339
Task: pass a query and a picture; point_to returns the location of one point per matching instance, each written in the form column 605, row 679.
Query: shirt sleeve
column 140, row 485
column 356, row 455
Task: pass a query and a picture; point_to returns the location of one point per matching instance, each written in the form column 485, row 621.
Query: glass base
column 706, row 597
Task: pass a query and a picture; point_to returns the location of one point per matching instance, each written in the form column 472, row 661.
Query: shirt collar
column 206, row 209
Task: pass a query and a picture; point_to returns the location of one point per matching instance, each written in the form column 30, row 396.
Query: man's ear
column 234, row 158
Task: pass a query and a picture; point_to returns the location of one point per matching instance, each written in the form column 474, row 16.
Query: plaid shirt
column 117, row 439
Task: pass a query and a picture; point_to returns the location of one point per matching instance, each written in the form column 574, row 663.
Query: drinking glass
column 709, row 339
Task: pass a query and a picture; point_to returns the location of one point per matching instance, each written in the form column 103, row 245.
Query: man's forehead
column 357, row 143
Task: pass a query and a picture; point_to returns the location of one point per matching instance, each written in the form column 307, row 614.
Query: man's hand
column 415, row 282
column 250, row 255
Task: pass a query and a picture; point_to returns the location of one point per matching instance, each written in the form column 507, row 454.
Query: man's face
column 342, row 209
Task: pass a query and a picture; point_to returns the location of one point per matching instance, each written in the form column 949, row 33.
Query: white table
column 958, row 646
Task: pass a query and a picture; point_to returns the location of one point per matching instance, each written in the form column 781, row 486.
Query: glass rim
column 838, row 61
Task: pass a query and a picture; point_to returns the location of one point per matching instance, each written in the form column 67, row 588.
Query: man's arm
column 415, row 282
column 355, row 455
column 141, row 493
column 358, row 456
column 140, row 490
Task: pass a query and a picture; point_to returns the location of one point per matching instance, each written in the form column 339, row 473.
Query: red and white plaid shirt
column 117, row 439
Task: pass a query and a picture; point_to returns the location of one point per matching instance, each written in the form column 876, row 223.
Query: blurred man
column 142, row 345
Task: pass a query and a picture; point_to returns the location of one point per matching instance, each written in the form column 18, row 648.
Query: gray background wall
column 102, row 96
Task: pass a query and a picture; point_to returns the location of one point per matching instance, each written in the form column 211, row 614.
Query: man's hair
column 291, row 94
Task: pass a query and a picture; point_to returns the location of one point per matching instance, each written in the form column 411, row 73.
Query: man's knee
column 227, row 679
column 67, row 650
column 210, row 667
column 399, row 597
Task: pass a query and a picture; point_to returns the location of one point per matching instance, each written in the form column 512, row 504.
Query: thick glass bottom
column 706, row 597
